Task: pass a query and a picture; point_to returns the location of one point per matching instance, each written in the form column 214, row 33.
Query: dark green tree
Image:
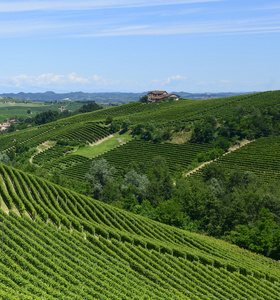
column 161, row 185
column 144, row 99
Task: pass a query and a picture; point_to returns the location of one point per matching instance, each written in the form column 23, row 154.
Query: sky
column 139, row 45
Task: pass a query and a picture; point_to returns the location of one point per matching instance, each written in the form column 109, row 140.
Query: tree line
column 237, row 206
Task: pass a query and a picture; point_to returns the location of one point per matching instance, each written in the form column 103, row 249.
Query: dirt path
column 46, row 144
column 4, row 207
column 101, row 141
column 243, row 143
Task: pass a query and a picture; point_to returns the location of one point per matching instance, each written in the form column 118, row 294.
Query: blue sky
column 139, row 45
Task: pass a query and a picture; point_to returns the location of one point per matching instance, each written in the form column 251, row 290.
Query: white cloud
column 175, row 78
column 51, row 80
column 58, row 5
column 83, row 22
column 172, row 80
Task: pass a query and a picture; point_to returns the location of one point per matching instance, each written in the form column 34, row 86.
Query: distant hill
column 108, row 97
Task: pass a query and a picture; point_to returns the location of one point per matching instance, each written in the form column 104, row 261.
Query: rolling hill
column 61, row 245
column 90, row 127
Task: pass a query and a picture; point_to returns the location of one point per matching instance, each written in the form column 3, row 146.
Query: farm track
column 40, row 150
column 234, row 148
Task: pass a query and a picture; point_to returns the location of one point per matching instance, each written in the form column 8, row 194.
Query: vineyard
column 84, row 133
column 61, row 245
column 88, row 127
column 178, row 156
column 184, row 110
column 262, row 157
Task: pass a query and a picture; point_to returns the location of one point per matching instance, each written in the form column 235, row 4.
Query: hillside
column 149, row 148
column 62, row 245
column 90, row 127
column 11, row 108
column 260, row 157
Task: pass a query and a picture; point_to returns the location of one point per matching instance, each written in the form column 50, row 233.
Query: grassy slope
column 112, row 254
column 107, row 144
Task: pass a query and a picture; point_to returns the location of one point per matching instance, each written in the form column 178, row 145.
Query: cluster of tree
column 221, row 133
column 245, row 124
column 51, row 116
column 238, row 207
column 92, row 106
column 45, row 117
column 149, row 131
column 130, row 190
column 144, row 99
column 119, row 125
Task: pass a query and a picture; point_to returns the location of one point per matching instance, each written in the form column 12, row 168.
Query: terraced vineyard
column 85, row 127
column 68, row 246
column 262, row 157
column 178, row 156
column 183, row 110
column 83, row 132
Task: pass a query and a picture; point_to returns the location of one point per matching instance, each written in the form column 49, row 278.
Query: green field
column 19, row 108
column 109, row 143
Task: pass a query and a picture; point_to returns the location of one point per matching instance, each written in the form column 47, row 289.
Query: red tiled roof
column 157, row 92
column 160, row 97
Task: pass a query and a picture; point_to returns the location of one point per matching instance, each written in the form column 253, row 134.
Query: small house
column 155, row 96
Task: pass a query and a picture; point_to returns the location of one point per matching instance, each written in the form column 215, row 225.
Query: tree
column 100, row 173
column 11, row 128
column 125, row 125
column 138, row 129
column 144, row 99
column 169, row 212
column 115, row 126
column 213, row 171
column 138, row 181
column 109, row 120
column 111, row 192
column 160, row 187
column 258, row 236
column 203, row 131
column 89, row 107
column 5, row 159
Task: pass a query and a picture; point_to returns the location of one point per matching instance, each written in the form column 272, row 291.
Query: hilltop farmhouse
column 155, row 96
